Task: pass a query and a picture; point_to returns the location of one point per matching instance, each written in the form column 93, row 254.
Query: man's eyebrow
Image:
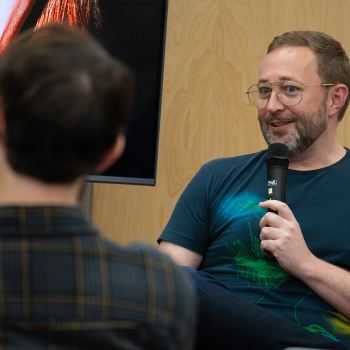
column 287, row 78
column 280, row 79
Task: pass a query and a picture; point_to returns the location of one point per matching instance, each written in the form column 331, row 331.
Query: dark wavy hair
column 65, row 101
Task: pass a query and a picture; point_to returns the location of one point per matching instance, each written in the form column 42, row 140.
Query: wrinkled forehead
column 295, row 63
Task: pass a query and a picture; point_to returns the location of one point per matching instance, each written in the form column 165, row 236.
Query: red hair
column 75, row 13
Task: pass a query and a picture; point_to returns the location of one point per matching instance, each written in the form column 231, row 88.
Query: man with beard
column 220, row 231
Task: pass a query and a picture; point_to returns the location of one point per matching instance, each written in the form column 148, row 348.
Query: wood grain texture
column 213, row 52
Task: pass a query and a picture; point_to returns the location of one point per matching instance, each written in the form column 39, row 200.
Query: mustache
column 269, row 118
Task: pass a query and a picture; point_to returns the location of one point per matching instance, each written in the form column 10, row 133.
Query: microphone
column 277, row 170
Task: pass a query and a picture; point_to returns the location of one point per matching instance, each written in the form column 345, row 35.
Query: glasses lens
column 288, row 92
column 259, row 95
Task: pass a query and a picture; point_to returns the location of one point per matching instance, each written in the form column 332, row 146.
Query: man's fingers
column 265, row 252
column 268, row 237
column 267, row 246
column 282, row 209
column 269, row 233
column 270, row 219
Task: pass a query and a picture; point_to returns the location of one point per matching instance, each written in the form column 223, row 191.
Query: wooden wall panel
column 213, row 52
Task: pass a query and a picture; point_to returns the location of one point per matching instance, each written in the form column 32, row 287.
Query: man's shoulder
column 142, row 275
column 140, row 253
column 231, row 163
column 142, row 259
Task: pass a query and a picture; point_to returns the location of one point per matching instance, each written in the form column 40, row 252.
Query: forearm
column 181, row 256
column 281, row 235
column 329, row 282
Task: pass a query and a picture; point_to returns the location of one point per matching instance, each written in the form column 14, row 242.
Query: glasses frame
column 278, row 95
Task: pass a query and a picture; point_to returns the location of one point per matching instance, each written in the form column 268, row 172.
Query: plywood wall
column 213, row 51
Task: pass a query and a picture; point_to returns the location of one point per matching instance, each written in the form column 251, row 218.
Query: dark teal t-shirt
column 218, row 217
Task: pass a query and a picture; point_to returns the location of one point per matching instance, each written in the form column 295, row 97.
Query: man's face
column 298, row 126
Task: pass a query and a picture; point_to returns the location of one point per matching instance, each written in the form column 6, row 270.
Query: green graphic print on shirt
column 253, row 266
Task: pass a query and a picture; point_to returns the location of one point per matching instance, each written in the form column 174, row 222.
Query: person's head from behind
column 303, row 89
column 64, row 102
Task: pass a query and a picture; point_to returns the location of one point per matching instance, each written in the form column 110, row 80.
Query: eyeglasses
column 288, row 92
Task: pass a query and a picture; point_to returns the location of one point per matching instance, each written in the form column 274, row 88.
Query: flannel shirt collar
column 44, row 221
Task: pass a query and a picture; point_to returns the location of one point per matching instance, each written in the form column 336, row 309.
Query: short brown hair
column 333, row 65
column 65, row 101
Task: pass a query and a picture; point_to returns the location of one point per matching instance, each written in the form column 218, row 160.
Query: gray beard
column 307, row 130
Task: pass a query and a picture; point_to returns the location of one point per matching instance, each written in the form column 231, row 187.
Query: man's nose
column 274, row 104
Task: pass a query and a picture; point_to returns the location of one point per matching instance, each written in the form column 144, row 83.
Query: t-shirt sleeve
column 188, row 225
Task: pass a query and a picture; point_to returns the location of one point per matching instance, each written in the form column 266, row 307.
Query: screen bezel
column 132, row 180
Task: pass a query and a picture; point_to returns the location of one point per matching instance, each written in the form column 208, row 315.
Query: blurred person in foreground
column 221, row 232
column 64, row 103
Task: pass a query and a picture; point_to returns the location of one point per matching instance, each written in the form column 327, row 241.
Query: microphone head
column 277, row 155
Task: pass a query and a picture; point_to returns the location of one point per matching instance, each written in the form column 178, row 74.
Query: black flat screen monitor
column 134, row 32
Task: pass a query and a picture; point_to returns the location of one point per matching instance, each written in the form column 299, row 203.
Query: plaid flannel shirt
column 64, row 287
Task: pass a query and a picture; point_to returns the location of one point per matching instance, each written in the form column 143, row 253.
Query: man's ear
column 338, row 96
column 112, row 154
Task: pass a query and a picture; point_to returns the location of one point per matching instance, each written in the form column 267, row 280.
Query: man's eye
column 291, row 89
column 264, row 91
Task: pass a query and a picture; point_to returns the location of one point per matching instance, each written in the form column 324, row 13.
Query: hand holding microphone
column 281, row 234
column 277, row 163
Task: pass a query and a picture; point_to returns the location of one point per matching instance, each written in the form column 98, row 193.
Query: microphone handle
column 276, row 187
column 277, row 183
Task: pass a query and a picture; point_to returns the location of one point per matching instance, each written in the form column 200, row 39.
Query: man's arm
column 281, row 235
column 188, row 225
column 182, row 256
